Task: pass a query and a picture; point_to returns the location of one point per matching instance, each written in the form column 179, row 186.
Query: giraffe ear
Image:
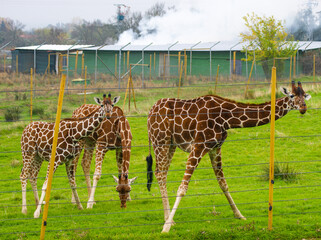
column 286, row 92
column 307, row 96
column 116, row 179
column 130, row 181
column 97, row 100
column 116, row 99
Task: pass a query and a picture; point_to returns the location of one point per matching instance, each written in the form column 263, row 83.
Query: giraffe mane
column 82, row 118
column 241, row 104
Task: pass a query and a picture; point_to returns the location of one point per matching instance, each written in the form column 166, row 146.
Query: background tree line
column 95, row 32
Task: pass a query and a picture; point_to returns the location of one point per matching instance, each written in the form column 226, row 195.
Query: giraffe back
column 38, row 137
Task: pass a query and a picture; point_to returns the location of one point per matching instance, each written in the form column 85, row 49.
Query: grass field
column 245, row 156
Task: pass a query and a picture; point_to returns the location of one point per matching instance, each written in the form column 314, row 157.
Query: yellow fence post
column 294, row 62
column 17, row 61
column 180, row 78
column 216, row 80
column 82, row 64
column 31, row 79
column 272, row 138
column 128, row 52
column 85, row 85
column 234, row 59
column 76, row 63
column 52, row 159
column 248, row 80
column 290, row 69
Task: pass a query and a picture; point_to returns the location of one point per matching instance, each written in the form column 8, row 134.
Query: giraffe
column 199, row 126
column 36, row 145
column 113, row 133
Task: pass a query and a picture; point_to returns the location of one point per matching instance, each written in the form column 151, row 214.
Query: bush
column 38, row 111
column 282, row 171
column 12, row 114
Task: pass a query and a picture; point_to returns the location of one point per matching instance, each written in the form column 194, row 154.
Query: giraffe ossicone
column 113, row 134
column 36, row 145
column 199, row 126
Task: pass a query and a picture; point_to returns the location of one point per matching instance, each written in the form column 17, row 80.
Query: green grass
column 244, row 154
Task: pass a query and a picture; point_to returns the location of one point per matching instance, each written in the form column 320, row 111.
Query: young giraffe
column 36, row 145
column 113, row 133
column 199, row 126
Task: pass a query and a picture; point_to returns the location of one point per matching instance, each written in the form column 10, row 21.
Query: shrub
column 38, row 111
column 282, row 171
column 12, row 114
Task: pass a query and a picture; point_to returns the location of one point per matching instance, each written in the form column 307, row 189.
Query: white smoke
column 206, row 21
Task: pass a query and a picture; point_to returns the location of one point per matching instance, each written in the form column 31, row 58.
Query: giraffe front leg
column 86, row 162
column 43, row 193
column 100, row 154
column 216, row 160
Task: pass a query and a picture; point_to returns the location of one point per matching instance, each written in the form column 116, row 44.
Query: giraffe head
column 107, row 103
column 297, row 97
column 123, row 188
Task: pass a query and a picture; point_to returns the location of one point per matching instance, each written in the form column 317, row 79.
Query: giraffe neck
column 252, row 115
column 85, row 126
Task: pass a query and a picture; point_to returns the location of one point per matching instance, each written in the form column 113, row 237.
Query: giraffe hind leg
column 193, row 160
column 33, row 175
column 28, row 158
column 164, row 153
column 101, row 150
column 215, row 156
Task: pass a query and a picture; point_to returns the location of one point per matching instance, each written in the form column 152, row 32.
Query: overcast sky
column 193, row 20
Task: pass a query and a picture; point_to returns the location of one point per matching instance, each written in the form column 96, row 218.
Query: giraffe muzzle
column 303, row 109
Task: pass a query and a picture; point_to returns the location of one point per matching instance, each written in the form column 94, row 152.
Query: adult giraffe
column 199, row 126
column 113, row 133
column 36, row 145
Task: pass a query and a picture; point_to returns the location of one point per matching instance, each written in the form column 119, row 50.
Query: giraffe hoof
column 166, row 227
column 36, row 214
column 90, row 205
column 24, row 211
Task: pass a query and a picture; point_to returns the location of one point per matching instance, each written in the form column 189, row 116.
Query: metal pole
column 34, row 58
column 68, row 64
column 5, row 45
column 211, row 59
column 231, row 59
column 190, row 58
column 143, row 63
column 96, row 61
column 34, row 64
column 119, row 64
column 168, row 53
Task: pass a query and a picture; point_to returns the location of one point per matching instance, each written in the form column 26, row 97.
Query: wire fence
column 295, row 200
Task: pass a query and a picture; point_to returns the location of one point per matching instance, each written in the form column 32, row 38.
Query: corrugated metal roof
column 214, row 46
column 54, row 47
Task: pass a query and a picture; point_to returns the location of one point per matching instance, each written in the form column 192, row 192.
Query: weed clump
column 12, row 114
column 282, row 171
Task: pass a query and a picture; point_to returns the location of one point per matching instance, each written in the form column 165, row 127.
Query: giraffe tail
column 149, row 161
